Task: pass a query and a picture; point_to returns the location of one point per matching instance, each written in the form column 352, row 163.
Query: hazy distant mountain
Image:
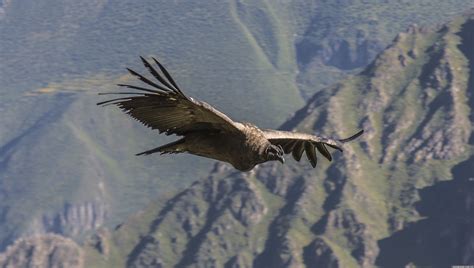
column 67, row 166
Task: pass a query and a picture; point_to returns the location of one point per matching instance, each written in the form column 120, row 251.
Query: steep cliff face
column 401, row 195
column 445, row 235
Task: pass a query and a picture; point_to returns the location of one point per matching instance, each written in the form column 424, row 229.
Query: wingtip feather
column 353, row 137
column 168, row 76
column 324, row 151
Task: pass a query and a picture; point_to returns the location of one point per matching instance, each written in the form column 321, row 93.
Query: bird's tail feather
column 170, row 148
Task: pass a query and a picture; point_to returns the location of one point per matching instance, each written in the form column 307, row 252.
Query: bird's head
column 274, row 152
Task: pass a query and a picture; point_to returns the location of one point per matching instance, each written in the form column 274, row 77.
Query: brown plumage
column 209, row 133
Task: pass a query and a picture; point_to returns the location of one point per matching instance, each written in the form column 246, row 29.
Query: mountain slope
column 54, row 138
column 67, row 166
column 409, row 178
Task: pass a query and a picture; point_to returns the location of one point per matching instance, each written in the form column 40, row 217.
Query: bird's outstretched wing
column 297, row 143
column 166, row 108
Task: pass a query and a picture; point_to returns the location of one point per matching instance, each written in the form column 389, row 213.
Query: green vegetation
column 60, row 154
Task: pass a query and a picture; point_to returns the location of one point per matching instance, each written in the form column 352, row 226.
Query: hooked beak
column 281, row 159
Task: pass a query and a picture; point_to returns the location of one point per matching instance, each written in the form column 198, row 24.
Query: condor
column 208, row 132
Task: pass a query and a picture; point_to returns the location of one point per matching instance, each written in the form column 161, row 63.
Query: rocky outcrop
column 76, row 219
column 199, row 224
column 319, row 254
column 47, row 250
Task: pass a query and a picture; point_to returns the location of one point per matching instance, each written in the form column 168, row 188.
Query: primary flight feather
column 208, row 132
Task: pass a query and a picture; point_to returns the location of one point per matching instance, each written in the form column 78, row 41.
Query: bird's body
column 223, row 146
column 209, row 133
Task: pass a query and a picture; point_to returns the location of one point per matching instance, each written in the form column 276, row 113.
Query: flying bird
column 207, row 132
